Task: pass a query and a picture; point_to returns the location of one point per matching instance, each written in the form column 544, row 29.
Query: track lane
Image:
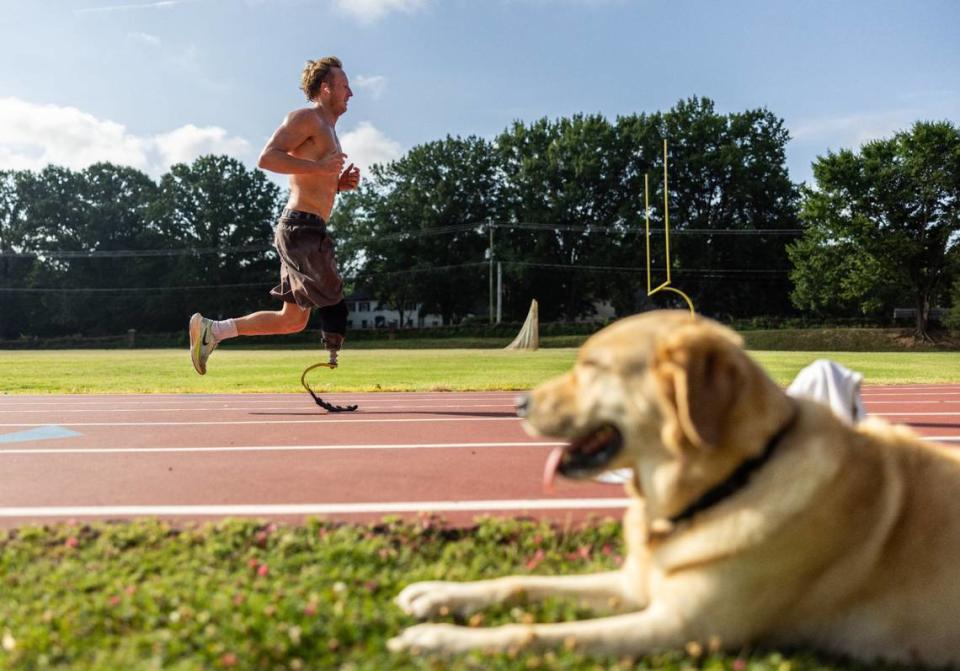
column 204, row 456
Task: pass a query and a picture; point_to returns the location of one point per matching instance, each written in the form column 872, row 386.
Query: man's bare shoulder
column 305, row 116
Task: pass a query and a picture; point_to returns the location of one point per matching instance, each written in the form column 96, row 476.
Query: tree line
column 104, row 249
column 559, row 204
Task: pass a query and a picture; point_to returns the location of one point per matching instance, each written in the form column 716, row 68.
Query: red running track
column 277, row 456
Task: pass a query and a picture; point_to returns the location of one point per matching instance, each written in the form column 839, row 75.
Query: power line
column 411, row 271
column 715, row 272
column 243, row 285
column 622, row 229
column 136, row 253
column 387, row 237
column 95, row 290
column 697, row 272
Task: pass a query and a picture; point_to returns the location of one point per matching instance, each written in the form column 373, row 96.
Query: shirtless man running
column 305, row 146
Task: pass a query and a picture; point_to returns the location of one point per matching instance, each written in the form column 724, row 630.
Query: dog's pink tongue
column 550, row 468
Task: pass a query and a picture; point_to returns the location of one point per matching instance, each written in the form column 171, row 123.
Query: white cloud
column 33, row 136
column 121, row 8
column 370, row 11
column 187, row 142
column 853, row 129
column 145, row 38
column 375, row 85
column 367, row 145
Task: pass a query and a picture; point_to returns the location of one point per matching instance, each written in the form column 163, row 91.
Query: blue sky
column 150, row 82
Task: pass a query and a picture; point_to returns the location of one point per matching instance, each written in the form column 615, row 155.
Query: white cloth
column 619, row 476
column 823, row 380
column 830, row 383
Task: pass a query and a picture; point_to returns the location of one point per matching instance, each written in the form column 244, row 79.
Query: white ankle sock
column 224, row 329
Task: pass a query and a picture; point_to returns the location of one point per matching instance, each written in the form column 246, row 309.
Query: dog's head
column 672, row 396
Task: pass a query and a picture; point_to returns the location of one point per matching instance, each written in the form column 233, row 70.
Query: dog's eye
column 593, row 363
column 589, row 367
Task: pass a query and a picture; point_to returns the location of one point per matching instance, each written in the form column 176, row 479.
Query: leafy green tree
column 953, row 314
column 13, row 269
column 585, row 178
column 49, row 219
column 414, row 231
column 69, row 219
column 116, row 202
column 217, row 203
column 561, row 175
column 882, row 224
column 728, row 182
column 374, row 257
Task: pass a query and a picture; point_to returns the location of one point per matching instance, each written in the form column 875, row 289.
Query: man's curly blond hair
column 315, row 73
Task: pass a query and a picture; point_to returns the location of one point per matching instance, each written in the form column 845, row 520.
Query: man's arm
column 293, row 132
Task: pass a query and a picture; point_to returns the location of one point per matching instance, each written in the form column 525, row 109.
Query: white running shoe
column 202, row 342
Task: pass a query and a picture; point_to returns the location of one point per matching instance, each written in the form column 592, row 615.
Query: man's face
column 337, row 91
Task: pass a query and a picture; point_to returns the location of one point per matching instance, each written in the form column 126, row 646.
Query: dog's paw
column 449, row 638
column 424, row 638
column 423, row 600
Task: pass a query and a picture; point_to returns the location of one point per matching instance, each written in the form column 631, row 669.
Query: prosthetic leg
column 334, row 318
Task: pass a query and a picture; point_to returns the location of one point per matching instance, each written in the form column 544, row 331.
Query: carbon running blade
column 329, row 407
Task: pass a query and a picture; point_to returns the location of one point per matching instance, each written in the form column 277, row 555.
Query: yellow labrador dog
column 757, row 518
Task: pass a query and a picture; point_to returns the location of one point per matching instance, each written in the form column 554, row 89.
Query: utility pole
column 499, row 291
column 490, row 251
column 5, row 298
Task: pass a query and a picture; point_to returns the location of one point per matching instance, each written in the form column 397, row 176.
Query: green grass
column 239, row 370
column 876, row 367
column 143, row 595
column 233, row 369
column 244, row 595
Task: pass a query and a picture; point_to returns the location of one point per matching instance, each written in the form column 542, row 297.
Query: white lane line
column 362, row 420
column 56, row 412
column 915, row 414
column 281, row 421
column 315, row 508
column 146, row 399
column 374, row 399
column 910, row 387
column 309, row 448
column 186, row 398
column 278, row 394
column 868, row 395
column 268, row 448
column 261, row 408
column 955, row 401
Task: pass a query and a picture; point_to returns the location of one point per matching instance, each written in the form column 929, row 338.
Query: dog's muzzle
column 589, row 454
column 522, row 405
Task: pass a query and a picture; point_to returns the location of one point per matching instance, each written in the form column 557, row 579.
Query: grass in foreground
column 232, row 369
column 244, row 595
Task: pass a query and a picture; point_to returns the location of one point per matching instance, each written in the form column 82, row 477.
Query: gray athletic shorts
column 308, row 269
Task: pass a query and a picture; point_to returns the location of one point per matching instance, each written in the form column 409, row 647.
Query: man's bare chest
column 322, row 142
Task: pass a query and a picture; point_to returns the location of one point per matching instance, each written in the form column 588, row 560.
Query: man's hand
column 349, row 179
column 332, row 165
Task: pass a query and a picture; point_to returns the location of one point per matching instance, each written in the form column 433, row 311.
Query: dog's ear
column 698, row 373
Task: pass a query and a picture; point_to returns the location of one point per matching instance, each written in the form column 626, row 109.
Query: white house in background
column 368, row 313
column 603, row 312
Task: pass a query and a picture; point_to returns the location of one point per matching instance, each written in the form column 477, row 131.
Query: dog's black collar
column 738, row 479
